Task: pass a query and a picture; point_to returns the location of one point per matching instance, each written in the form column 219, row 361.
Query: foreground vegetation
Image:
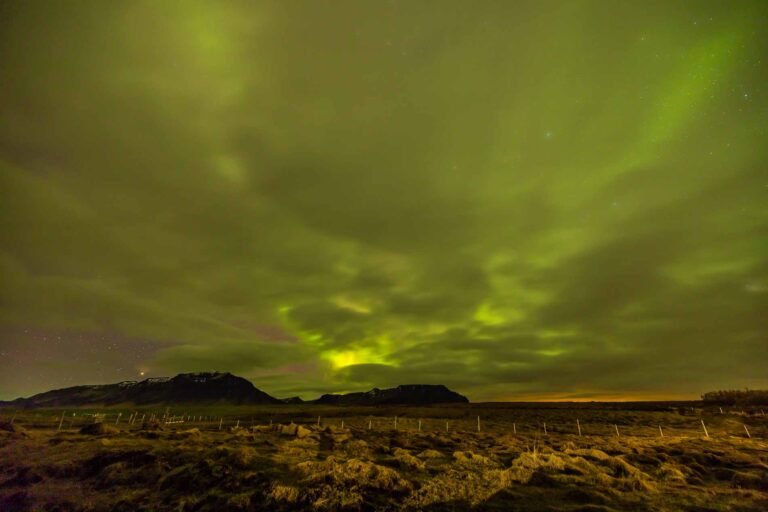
column 355, row 459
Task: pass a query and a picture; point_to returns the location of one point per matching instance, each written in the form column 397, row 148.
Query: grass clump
column 241, row 457
column 471, row 459
column 407, row 460
column 280, row 493
column 353, row 472
column 335, row 485
column 430, row 454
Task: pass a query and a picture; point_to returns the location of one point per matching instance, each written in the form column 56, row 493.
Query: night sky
column 520, row 200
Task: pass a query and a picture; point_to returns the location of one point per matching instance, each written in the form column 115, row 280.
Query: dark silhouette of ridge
column 409, row 394
column 184, row 388
column 223, row 388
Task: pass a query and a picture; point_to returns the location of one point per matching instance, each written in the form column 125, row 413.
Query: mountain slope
column 410, row 394
column 183, row 388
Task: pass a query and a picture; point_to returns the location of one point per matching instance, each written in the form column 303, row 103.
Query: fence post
column 578, row 426
column 514, row 428
column 478, row 424
column 61, row 421
column 617, row 430
column 419, row 425
column 747, row 431
column 545, row 428
column 661, row 432
column 705, row 428
column 221, row 421
column 118, row 418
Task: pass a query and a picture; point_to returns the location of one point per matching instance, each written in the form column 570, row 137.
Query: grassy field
column 524, row 457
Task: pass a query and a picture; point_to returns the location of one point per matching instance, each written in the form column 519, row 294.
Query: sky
column 558, row 200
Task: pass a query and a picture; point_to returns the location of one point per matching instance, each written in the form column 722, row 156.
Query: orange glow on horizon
column 605, row 397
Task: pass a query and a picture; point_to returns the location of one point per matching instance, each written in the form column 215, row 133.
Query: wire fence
column 718, row 426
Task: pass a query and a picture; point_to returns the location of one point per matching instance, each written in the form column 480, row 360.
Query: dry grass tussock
column 292, row 467
column 407, row 460
column 343, row 485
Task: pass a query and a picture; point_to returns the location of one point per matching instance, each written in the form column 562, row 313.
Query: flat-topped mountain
column 223, row 388
column 409, row 394
column 184, row 388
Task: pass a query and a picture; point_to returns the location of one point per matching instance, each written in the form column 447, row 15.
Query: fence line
column 414, row 425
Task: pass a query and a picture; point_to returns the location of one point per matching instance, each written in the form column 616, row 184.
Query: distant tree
column 736, row 397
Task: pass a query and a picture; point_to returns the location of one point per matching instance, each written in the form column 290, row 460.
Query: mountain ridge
column 222, row 388
column 202, row 387
column 404, row 394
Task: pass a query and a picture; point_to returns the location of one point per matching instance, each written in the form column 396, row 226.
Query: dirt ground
column 366, row 464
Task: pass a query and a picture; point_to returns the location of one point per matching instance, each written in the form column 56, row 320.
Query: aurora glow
column 515, row 199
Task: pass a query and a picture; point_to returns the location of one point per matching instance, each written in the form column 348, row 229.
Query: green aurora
column 557, row 200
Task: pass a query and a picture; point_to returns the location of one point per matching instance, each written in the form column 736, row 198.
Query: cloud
column 232, row 356
column 488, row 197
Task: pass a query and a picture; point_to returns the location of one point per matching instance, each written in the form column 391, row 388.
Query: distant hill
column 223, row 388
column 410, row 394
column 737, row 397
column 184, row 388
column 292, row 400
